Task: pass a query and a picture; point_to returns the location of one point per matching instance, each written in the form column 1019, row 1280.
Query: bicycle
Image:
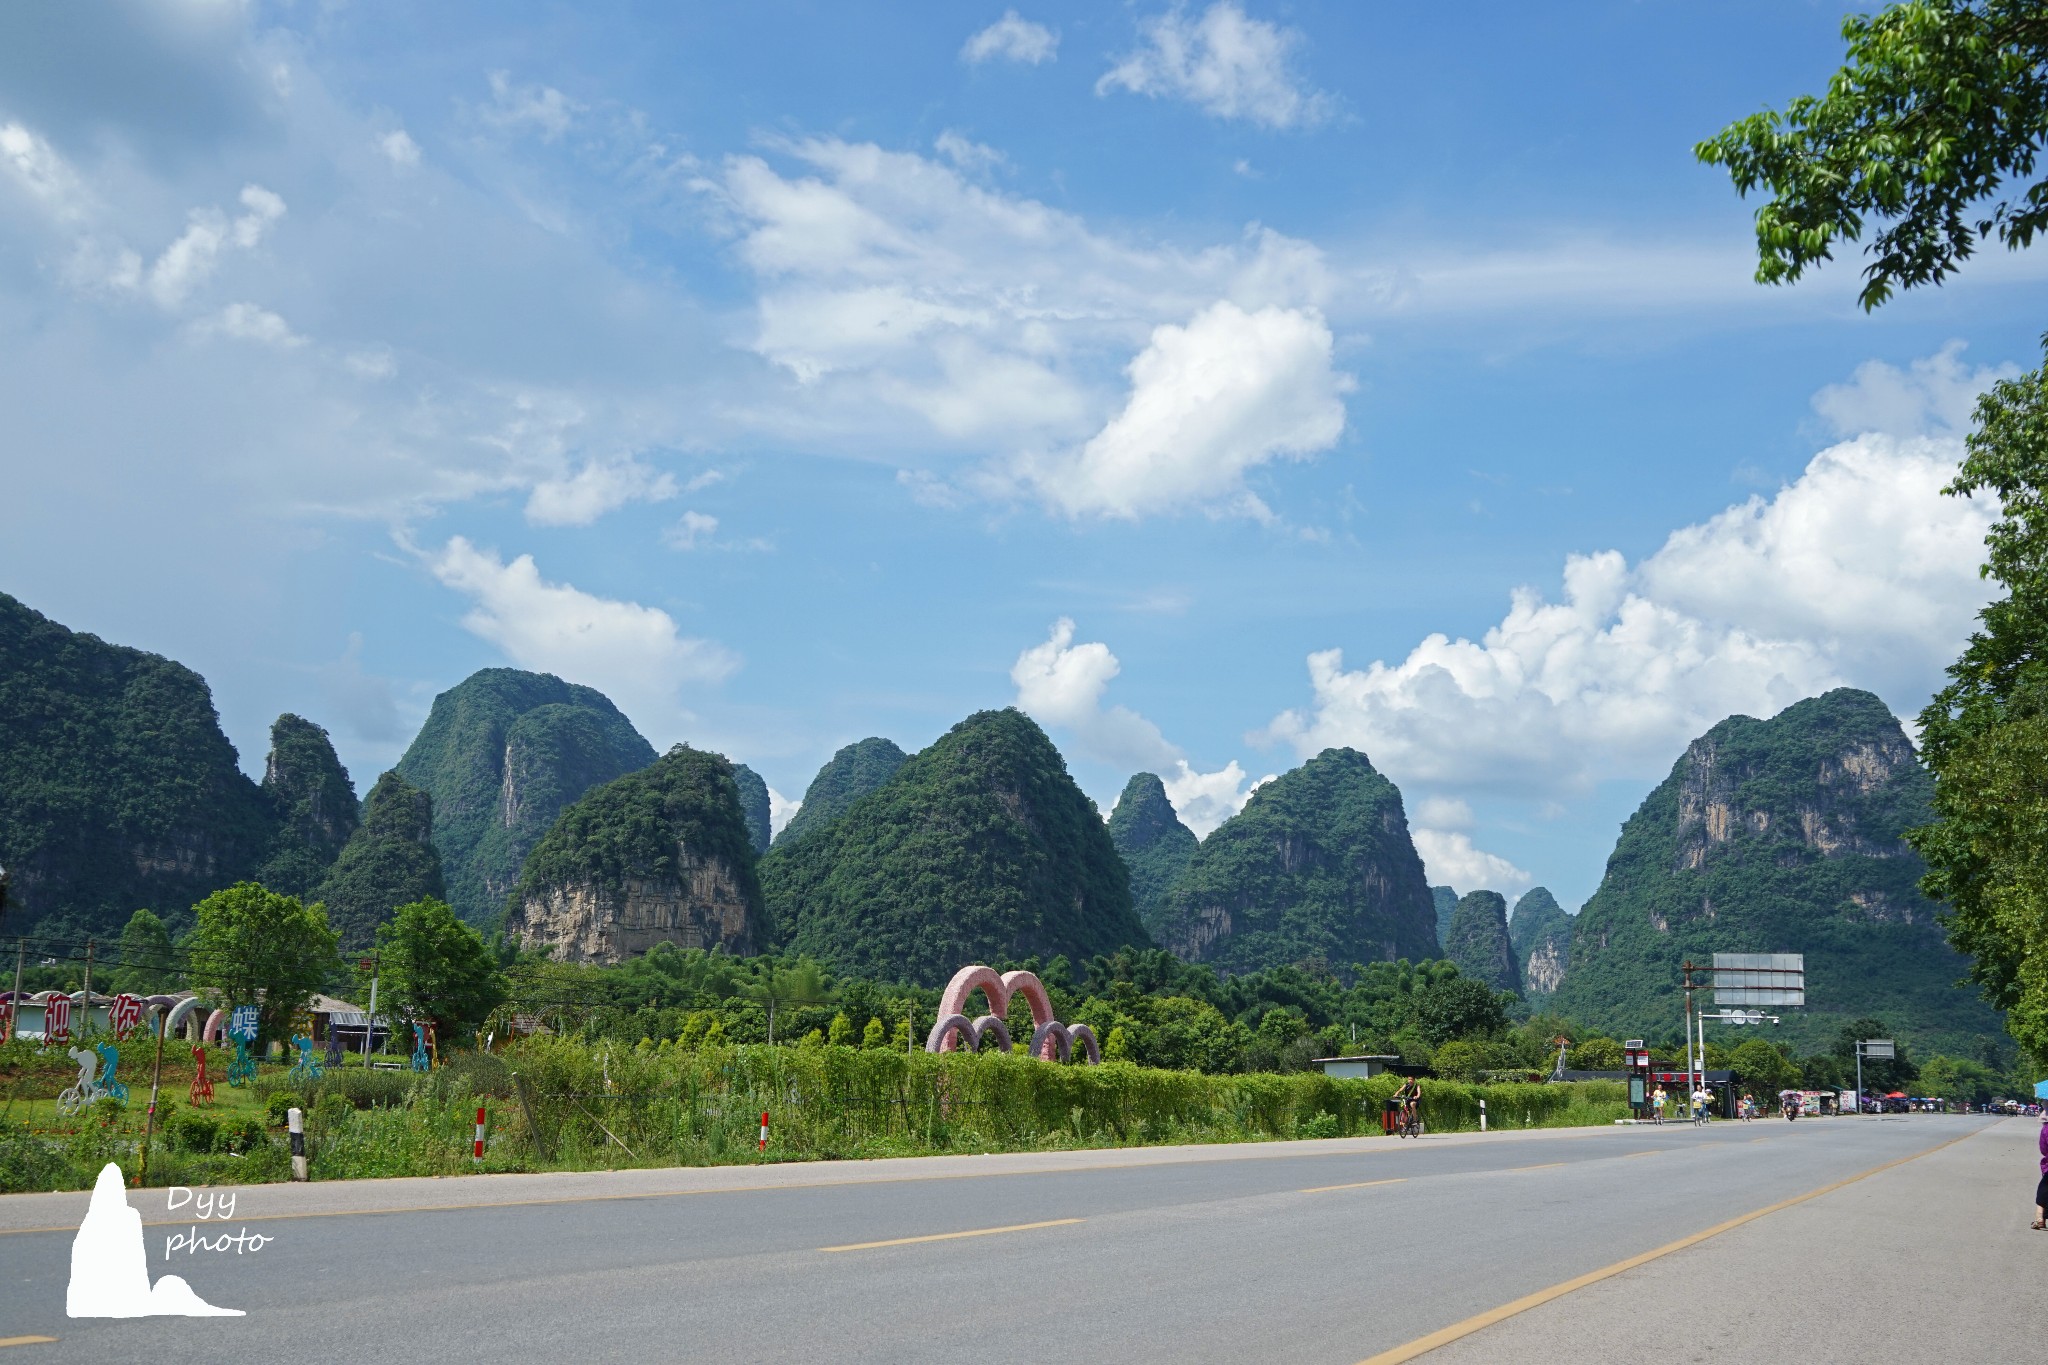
column 1410, row 1123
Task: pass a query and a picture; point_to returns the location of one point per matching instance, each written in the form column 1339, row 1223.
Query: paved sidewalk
column 1932, row 1259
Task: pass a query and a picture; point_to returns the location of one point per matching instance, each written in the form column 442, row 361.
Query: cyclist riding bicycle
column 1407, row 1107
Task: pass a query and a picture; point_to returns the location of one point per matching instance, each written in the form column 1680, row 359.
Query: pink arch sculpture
column 1050, row 1040
column 214, row 1022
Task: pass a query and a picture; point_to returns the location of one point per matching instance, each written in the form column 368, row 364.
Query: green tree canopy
column 252, row 946
column 436, row 967
column 1931, row 131
column 1985, row 734
column 146, row 965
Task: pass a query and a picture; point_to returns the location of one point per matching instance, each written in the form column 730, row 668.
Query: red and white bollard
column 764, row 1131
column 477, row 1151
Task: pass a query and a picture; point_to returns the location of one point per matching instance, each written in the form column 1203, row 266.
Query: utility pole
column 370, row 1023
column 1859, row 1078
column 14, row 1000
column 1688, row 969
column 85, row 1024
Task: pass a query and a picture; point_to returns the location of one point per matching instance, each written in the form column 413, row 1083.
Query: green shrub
column 279, row 1106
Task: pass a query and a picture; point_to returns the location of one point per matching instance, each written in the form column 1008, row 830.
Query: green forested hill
column 314, row 804
column 1478, row 941
column 1446, row 901
column 754, row 805
column 1156, row 847
column 502, row 754
column 118, row 790
column 980, row 848
column 1541, row 933
column 1318, row 865
column 1779, row 835
column 662, row 855
column 389, row 861
column 847, row 776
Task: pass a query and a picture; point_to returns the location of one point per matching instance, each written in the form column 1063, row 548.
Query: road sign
column 1759, row 979
column 1879, row 1048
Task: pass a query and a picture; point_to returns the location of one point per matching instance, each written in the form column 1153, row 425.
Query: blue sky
column 1217, row 382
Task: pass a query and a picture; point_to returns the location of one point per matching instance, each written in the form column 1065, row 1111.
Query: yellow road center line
column 1355, row 1185
column 1541, row 1166
column 1457, row 1330
column 949, row 1236
column 25, row 1341
column 1642, row 1153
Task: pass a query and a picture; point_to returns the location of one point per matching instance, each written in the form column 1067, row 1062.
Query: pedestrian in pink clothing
column 2041, row 1190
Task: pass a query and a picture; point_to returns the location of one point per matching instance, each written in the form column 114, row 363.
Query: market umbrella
column 2041, row 1091
column 1895, row 1094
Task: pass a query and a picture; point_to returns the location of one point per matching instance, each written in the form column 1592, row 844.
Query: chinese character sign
column 242, row 1024
column 57, row 1019
column 125, row 1014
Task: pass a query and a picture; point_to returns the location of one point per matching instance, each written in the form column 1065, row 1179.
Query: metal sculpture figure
column 110, row 1087
column 1050, row 1039
column 242, row 1029
column 77, row 1097
column 308, row 1067
column 202, row 1084
column 333, row 1046
column 419, row 1048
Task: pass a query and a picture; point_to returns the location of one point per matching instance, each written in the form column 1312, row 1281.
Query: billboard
column 1759, row 979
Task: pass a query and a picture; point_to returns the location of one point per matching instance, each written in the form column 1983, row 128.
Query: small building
column 351, row 1022
column 1358, row 1068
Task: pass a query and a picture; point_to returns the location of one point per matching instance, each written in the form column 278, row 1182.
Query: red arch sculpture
column 1050, row 1040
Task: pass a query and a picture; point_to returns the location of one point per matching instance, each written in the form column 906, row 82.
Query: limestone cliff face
column 1478, row 940
column 658, row 856
column 1155, row 846
column 703, row 906
column 1541, row 933
column 1779, row 835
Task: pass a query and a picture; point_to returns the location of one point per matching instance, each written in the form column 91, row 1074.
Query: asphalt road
column 1304, row 1251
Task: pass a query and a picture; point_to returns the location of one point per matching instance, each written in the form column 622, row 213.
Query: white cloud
column 634, row 654
column 1229, row 64
column 967, row 154
column 1228, row 392
column 37, row 168
column 1443, row 812
column 400, row 148
column 371, row 364
column 1449, row 859
column 1859, row 572
column 600, row 486
column 781, row 810
column 691, row 530
column 1012, row 39
column 892, row 283
column 1061, row 684
column 1932, row 396
column 541, row 107
column 247, row 322
column 188, row 261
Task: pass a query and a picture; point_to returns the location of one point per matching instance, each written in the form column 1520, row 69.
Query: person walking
column 2041, row 1190
column 1657, row 1098
column 1701, row 1098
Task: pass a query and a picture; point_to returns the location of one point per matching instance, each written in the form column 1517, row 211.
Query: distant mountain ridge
column 1541, row 935
column 1780, row 835
column 1478, row 941
column 1318, row 865
column 502, row 755
column 848, row 775
column 1155, row 846
column 979, row 848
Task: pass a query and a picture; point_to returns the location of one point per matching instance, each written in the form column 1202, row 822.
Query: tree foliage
column 147, row 963
column 1985, row 734
column 434, row 966
column 1929, row 134
column 252, row 946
